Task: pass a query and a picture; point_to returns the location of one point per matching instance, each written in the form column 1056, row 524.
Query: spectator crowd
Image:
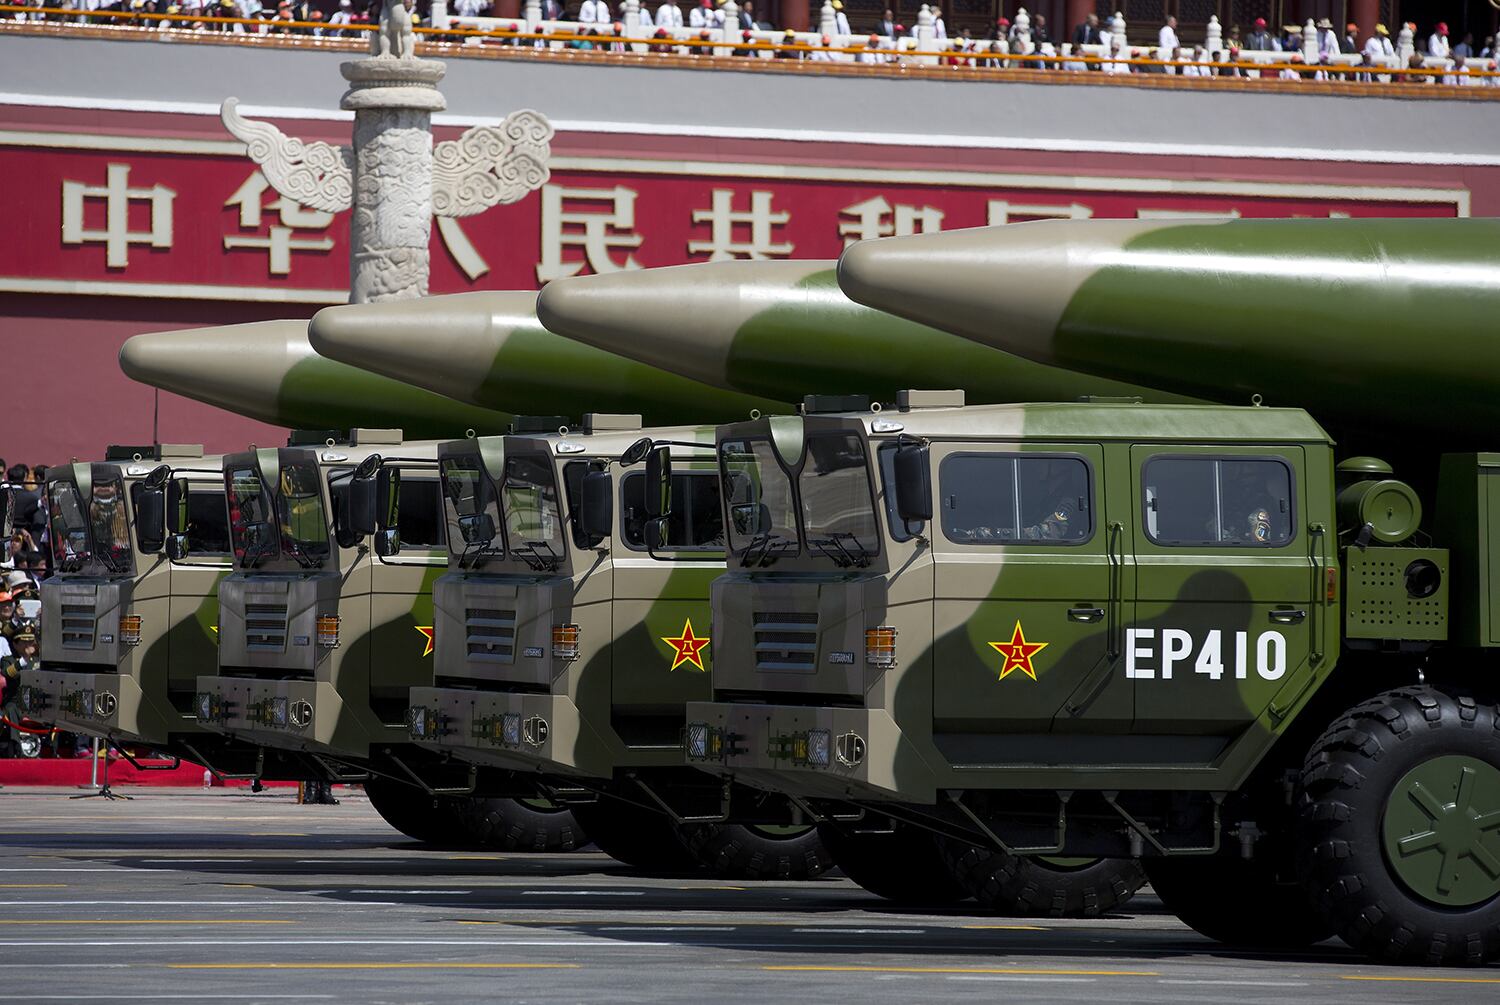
column 1025, row 42
column 24, row 563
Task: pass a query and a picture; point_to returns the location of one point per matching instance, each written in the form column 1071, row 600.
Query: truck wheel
column 902, row 864
column 1026, row 885
column 530, row 825
column 1240, row 902
column 1399, row 827
column 636, row 836
column 413, row 812
column 753, row 851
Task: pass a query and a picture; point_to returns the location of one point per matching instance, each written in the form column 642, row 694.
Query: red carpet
column 75, row 771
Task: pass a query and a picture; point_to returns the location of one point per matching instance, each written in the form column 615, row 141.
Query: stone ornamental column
column 392, row 101
column 533, row 14
column 926, row 35
column 827, row 25
column 1214, row 37
column 437, row 16
column 731, row 12
column 1310, row 41
column 1404, row 44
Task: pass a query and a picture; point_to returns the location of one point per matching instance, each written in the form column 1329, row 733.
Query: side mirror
column 388, row 497
column 477, row 528
column 751, row 518
column 177, row 506
column 913, row 482
column 150, row 517
column 636, row 452
column 388, row 542
column 359, row 513
column 659, row 482
column 656, row 533
column 596, row 505
column 177, row 547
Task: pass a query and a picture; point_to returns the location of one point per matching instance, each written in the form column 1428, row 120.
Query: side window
column 207, row 523
column 696, row 523
column 420, row 517
column 338, row 493
column 1011, row 498
column 900, row 529
column 1220, row 501
column 573, row 473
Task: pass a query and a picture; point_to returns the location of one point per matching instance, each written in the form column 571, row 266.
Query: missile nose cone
column 1004, row 286
column 232, row 365
column 681, row 319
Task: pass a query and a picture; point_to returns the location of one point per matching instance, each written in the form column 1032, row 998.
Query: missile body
column 267, row 370
column 784, row 329
column 490, row 349
column 1374, row 326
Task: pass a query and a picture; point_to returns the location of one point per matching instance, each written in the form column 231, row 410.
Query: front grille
column 785, row 640
column 490, row 634
column 265, row 628
column 77, row 629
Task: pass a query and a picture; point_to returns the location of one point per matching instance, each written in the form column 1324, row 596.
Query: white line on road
column 431, row 893
column 154, row 903
column 592, row 943
column 52, row 965
column 663, row 928
column 158, row 997
column 1023, row 979
column 63, row 868
column 194, row 861
column 859, row 931
column 582, row 893
column 1234, row 983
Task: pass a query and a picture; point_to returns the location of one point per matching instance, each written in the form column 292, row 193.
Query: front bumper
column 519, row 732
column 107, row 705
column 816, row 752
column 307, row 716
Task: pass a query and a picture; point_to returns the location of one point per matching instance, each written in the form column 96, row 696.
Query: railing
column 906, row 50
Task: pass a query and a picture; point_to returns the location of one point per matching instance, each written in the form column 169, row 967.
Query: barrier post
column 94, row 766
column 438, row 15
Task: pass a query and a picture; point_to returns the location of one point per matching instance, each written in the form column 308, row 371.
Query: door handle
column 1085, row 614
column 1288, row 617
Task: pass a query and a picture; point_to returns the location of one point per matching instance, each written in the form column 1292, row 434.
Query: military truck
column 572, row 628
column 325, row 623
column 130, row 614
column 1188, row 634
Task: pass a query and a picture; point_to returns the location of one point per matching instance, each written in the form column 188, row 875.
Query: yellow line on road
column 93, row 921
column 374, row 966
column 1423, row 980
column 965, row 970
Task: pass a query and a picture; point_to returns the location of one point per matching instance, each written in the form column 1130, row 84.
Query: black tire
column 1239, row 902
column 635, row 836
column 901, row 864
column 518, row 825
column 1350, row 776
column 1022, row 886
column 746, row 851
column 413, row 812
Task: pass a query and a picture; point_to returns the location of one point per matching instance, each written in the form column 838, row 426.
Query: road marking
column 153, row 903
column 148, row 921
column 591, row 943
column 374, row 966
column 1022, row 979
column 61, row 868
column 52, row 965
column 159, row 997
column 430, row 893
column 31, row 886
column 195, row 861
column 1005, row 928
column 858, row 931
column 1234, row 983
column 806, row 968
column 664, row 928
column 1423, row 980
column 735, row 889
column 583, row 893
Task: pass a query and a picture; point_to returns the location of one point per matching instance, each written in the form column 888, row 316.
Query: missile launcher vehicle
column 572, row 627
column 741, row 324
column 325, row 624
column 489, row 349
column 1190, row 634
column 139, row 543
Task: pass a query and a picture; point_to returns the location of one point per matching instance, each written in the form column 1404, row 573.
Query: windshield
column 758, row 497
column 99, row 533
column 528, row 498
column 471, row 510
column 838, row 511
column 291, row 523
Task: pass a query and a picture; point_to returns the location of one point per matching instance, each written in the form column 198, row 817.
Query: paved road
column 224, row 896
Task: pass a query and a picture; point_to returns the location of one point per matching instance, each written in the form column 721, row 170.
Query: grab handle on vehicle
column 1288, row 617
column 1085, row 614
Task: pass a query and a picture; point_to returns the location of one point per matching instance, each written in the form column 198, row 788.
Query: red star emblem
column 1018, row 653
column 426, row 634
column 688, row 648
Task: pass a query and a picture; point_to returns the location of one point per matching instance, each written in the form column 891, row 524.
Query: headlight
column 510, row 729
column 817, row 748
column 205, row 706
column 86, row 703
column 697, row 740
column 279, row 712
column 417, row 721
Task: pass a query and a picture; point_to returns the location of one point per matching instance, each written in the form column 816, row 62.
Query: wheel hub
column 1442, row 830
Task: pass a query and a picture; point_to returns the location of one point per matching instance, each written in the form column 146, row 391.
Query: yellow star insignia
column 688, row 648
column 1018, row 653
column 426, row 634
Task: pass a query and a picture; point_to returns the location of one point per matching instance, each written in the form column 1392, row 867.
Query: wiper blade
column 858, row 553
column 299, row 554
column 836, row 554
column 774, row 548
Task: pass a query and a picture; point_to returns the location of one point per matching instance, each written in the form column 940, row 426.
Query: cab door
column 1225, row 580
column 193, row 636
column 401, row 622
column 1027, row 592
column 663, row 648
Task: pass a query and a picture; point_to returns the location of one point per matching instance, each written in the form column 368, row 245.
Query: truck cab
column 140, row 542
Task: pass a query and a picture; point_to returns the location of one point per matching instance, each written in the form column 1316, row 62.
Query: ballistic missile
column 784, row 329
column 266, row 370
column 1374, row 326
column 489, row 349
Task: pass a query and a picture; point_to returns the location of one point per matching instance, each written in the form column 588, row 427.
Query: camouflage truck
column 139, row 542
column 572, row 628
column 1187, row 634
column 325, row 624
